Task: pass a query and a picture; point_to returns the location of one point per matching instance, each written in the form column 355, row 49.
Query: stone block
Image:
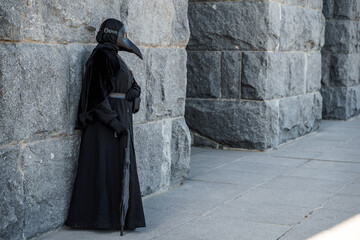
column 239, row 25
column 11, row 194
column 166, row 83
column 10, row 20
column 32, row 20
column 299, row 115
column 301, row 29
column 180, row 151
column 270, row 75
column 341, row 37
column 346, row 9
column 354, row 99
column 344, row 70
column 153, row 155
column 204, row 74
column 34, row 91
column 313, row 72
column 335, row 103
column 49, row 170
column 328, row 9
column 315, row 4
column 73, row 21
column 325, row 69
column 155, row 17
column 200, row 141
column 238, row 124
column 254, row 75
column 180, row 25
column 301, row 3
column 230, row 74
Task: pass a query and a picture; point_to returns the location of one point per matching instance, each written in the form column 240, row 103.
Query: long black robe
column 97, row 189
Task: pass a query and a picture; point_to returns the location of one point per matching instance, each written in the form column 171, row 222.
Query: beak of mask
column 123, row 42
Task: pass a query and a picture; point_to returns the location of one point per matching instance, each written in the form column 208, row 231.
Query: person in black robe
column 104, row 121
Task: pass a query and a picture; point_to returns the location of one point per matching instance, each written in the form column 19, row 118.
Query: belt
column 117, row 95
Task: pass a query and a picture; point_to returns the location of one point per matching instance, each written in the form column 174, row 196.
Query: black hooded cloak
column 97, row 189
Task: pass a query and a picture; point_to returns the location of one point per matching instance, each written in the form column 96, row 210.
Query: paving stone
column 225, row 227
column 320, row 220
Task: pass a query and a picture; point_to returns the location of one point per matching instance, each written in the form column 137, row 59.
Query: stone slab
column 180, row 151
column 11, row 193
column 74, row 21
column 341, row 103
column 37, row 88
column 10, row 20
column 301, row 29
column 159, row 21
column 341, row 37
column 153, row 158
column 230, row 74
column 349, row 10
column 305, row 184
column 235, row 25
column 320, row 220
column 49, row 170
column 313, row 72
column 271, row 75
column 299, row 115
column 166, row 83
column 204, row 74
column 240, row 124
column 225, row 227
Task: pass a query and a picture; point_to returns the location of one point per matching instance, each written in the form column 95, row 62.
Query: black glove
column 131, row 94
column 118, row 127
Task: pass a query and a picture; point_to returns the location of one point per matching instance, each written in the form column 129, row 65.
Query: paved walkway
column 303, row 188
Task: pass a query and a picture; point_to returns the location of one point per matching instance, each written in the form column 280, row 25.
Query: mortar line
column 222, row 203
column 319, row 207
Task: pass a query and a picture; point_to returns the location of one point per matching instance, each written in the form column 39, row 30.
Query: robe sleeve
column 109, row 117
column 95, row 90
column 136, row 86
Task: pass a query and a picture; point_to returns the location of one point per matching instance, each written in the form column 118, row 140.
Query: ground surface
column 302, row 188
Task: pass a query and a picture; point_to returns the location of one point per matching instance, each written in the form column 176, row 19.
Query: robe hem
column 99, row 226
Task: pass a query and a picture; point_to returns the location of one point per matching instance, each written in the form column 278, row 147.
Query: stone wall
column 254, row 71
column 43, row 47
column 341, row 59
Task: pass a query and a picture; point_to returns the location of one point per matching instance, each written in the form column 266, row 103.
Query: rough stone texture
column 34, row 91
column 243, row 124
column 341, row 102
column 166, row 21
column 230, row 75
column 10, row 20
column 166, row 85
column 342, row 36
column 253, row 68
column 299, row 115
column 11, row 194
column 204, row 77
column 341, row 59
column 233, row 26
column 154, row 157
column 180, row 151
column 49, row 169
column 271, row 75
column 72, row 21
column 43, row 48
column 301, row 29
column 313, row 72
